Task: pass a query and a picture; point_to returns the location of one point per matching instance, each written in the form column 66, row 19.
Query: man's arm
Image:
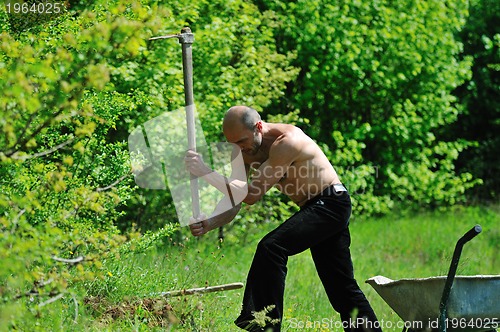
column 223, row 214
column 234, row 189
column 234, row 186
column 282, row 154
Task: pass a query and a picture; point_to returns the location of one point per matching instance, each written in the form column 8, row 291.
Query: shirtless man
column 281, row 155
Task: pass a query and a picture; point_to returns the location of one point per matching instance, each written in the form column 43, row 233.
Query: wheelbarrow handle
column 451, row 275
column 474, row 231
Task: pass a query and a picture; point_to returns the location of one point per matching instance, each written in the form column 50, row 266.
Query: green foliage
column 481, row 119
column 376, row 80
column 148, row 241
column 23, row 15
column 62, row 177
column 236, row 61
column 72, row 90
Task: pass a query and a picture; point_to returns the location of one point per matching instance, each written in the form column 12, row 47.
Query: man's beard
column 255, row 148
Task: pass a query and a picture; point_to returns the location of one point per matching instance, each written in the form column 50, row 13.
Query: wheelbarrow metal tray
column 474, row 300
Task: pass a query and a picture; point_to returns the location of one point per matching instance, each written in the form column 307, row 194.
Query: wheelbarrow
column 444, row 303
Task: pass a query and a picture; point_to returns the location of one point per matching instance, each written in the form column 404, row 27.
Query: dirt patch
column 155, row 311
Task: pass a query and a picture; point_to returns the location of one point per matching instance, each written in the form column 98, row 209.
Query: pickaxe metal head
column 185, row 37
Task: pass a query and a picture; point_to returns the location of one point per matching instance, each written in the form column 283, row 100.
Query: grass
column 396, row 246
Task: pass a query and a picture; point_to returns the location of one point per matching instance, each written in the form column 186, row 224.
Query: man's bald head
column 241, row 115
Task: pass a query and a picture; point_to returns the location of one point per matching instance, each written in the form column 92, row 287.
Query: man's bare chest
column 256, row 160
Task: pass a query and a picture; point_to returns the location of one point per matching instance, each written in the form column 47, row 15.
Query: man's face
column 249, row 141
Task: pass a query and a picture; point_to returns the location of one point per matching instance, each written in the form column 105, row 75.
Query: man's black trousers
column 321, row 225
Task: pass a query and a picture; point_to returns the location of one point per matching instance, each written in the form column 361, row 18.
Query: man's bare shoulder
column 289, row 144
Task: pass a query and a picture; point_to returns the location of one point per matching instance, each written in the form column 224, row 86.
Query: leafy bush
column 480, row 120
column 376, row 80
column 72, row 90
column 62, row 177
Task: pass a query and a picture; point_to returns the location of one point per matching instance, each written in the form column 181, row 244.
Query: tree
column 376, row 80
column 62, row 178
column 481, row 120
column 73, row 88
